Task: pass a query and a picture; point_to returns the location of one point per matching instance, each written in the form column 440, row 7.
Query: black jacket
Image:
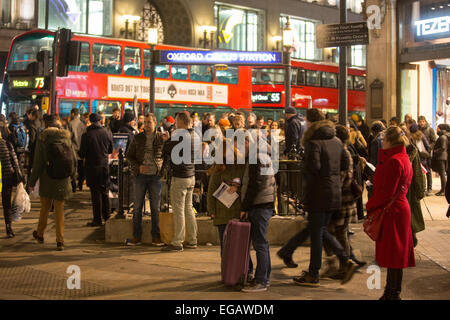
column 96, row 145
column 293, row 133
column 182, row 170
column 128, row 130
column 440, row 148
column 136, row 152
column 259, row 186
column 114, row 124
column 10, row 164
column 325, row 158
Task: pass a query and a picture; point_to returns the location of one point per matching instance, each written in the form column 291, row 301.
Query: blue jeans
column 259, row 218
column 317, row 230
column 142, row 184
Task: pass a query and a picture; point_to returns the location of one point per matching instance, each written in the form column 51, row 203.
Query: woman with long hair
column 392, row 178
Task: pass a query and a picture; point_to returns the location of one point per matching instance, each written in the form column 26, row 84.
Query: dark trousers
column 429, row 180
column 6, row 202
column 81, row 177
column 393, row 284
column 221, row 229
column 441, row 166
column 100, row 204
column 317, row 230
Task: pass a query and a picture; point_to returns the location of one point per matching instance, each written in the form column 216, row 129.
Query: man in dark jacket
column 129, row 121
column 182, row 171
column 294, row 129
column 96, row 145
column 114, row 121
column 145, row 157
column 258, row 207
column 429, row 133
column 440, row 154
column 77, row 128
column 32, row 124
column 325, row 158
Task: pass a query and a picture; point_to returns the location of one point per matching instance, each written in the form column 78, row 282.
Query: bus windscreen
column 25, row 49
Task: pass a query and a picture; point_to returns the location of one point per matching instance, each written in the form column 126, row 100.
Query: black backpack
column 60, row 161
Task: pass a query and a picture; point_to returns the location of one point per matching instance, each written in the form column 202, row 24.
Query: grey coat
column 76, row 128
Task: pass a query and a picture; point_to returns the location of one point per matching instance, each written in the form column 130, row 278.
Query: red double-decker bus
column 313, row 85
column 115, row 73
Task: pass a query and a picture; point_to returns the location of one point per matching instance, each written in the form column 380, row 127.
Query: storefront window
column 239, row 29
column 305, row 38
column 72, row 14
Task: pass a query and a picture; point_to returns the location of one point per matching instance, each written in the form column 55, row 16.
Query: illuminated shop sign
column 220, row 57
column 266, row 97
column 28, row 83
column 433, row 28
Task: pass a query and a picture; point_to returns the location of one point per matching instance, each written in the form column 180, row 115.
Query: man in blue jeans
column 145, row 158
column 258, row 206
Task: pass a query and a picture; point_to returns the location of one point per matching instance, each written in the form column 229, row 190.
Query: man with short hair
column 394, row 121
column 103, row 121
column 429, row 133
column 77, row 128
column 260, row 122
column 182, row 185
column 129, row 121
column 96, row 145
column 114, row 121
column 294, row 129
column 145, row 157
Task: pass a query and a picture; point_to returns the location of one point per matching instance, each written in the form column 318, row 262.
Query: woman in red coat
column 394, row 249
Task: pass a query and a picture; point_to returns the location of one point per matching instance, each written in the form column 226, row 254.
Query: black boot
column 9, row 231
column 393, row 285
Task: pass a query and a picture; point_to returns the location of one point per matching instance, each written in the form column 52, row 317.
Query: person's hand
column 213, row 216
column 143, row 169
column 165, row 136
column 232, row 189
column 363, row 160
column 31, row 189
column 244, row 215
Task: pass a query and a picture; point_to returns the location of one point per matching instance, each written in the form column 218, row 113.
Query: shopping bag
column 21, row 203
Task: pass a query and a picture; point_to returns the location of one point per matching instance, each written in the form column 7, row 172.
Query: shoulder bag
column 374, row 221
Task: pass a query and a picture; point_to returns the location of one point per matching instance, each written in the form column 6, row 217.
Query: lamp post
column 205, row 30
column 127, row 18
column 152, row 41
column 288, row 43
column 343, row 70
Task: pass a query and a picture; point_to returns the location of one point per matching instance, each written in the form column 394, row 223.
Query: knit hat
column 170, row 119
column 355, row 117
column 128, row 117
column 413, row 128
column 95, row 117
column 290, row 110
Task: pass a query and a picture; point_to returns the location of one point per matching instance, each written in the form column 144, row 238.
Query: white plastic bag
column 22, row 203
column 35, row 193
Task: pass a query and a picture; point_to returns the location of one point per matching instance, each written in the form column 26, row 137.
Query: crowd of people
column 337, row 163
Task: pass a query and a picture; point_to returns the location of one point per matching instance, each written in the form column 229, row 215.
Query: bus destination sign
column 266, row 97
column 35, row 83
column 220, row 57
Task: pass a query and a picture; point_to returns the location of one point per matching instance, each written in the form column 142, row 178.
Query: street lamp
column 205, row 30
column 288, row 44
column 152, row 41
column 128, row 18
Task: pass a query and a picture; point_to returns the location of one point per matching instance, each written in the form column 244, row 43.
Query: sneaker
column 287, row 259
column 350, row 269
column 133, row 242
column 190, row 246
column 170, row 248
column 38, row 239
column 157, row 242
column 306, row 279
column 330, row 270
column 60, row 246
column 257, row 287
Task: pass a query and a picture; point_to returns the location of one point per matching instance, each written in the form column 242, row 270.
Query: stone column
column 382, row 59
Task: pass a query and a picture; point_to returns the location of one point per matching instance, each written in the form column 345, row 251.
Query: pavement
column 34, row 271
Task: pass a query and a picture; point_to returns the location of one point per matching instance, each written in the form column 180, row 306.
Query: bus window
column 349, row 82
column 329, row 80
column 161, row 71
column 313, row 78
column 132, row 63
column 294, row 77
column 179, row 72
column 129, row 106
column 105, row 106
column 301, row 77
column 230, row 76
column 25, row 49
column 85, row 59
column 360, row 83
column 106, row 58
column 201, row 73
column 268, row 76
column 65, row 106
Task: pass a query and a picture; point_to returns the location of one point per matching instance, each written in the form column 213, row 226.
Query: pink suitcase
column 235, row 255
